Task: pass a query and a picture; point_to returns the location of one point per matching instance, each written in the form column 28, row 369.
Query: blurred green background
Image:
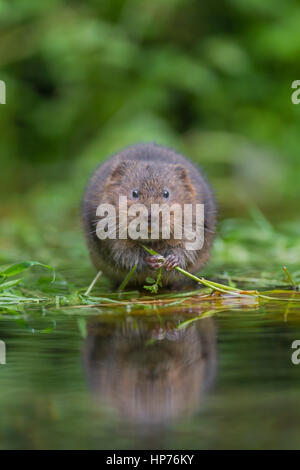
column 211, row 79
column 84, row 79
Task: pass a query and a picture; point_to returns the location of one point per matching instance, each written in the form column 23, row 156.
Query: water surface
column 118, row 380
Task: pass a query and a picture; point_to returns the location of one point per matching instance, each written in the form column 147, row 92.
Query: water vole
column 147, row 174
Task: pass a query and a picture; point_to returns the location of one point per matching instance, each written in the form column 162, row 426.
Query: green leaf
column 20, row 267
column 7, row 285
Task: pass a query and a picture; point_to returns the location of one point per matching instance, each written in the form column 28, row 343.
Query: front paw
column 155, row 261
column 171, row 262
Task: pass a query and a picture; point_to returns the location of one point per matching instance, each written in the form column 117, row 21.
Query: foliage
column 214, row 81
column 85, row 79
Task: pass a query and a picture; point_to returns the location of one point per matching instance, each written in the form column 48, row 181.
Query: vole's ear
column 183, row 176
column 180, row 172
column 120, row 169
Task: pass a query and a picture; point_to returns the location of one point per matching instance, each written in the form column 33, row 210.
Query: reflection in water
column 149, row 371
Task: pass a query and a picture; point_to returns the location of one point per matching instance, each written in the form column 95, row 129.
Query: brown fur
column 150, row 168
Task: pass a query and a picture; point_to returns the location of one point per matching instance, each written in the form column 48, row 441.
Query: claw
column 171, row 262
column 154, row 262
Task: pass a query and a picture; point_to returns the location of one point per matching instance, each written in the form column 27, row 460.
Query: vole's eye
column 135, row 193
column 165, row 193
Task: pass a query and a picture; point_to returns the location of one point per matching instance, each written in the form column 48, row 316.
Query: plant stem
column 212, row 285
column 93, row 283
column 127, row 278
column 220, row 287
column 288, row 275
